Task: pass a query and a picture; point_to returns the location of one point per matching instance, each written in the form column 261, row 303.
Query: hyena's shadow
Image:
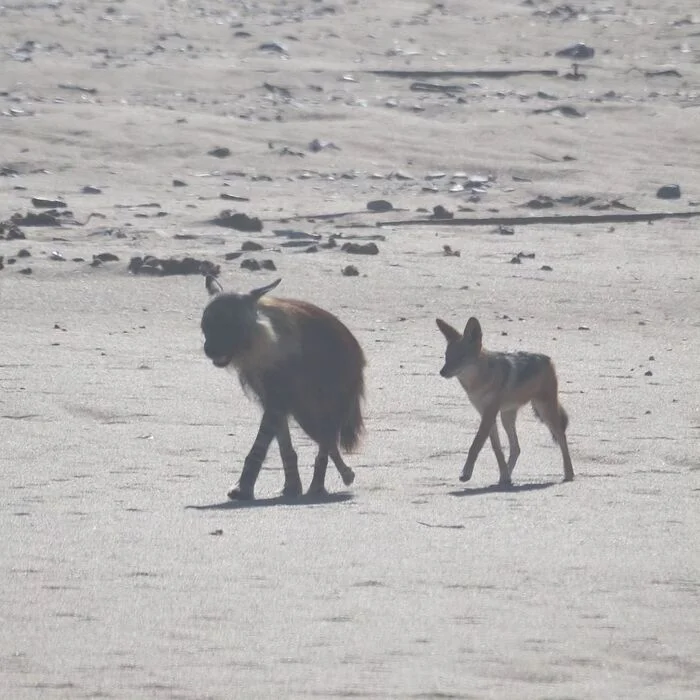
column 306, row 500
column 498, row 488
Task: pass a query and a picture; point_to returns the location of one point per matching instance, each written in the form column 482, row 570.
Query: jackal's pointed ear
column 261, row 291
column 213, row 285
column 451, row 334
column 472, row 331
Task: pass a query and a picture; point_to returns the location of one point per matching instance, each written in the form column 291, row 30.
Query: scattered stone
column 669, row 192
column 55, row 255
column 350, row 271
column 78, row 260
column 105, row 257
column 96, row 263
column 292, row 234
column 179, row 183
column 26, row 271
column 542, row 201
column 237, row 221
column 89, row 189
column 250, row 264
column 268, row 264
column 546, row 268
column 360, row 248
column 44, row 218
column 185, row 236
column 579, row 51
column 220, row 152
column 251, row 246
column 502, row 230
column 379, row 206
column 316, row 145
column 233, row 256
column 648, row 373
column 24, row 253
column 272, row 47
column 233, row 197
column 515, row 260
column 151, row 265
column 41, row 203
column 584, row 328
column 439, row 212
column 448, row 252
column 312, row 249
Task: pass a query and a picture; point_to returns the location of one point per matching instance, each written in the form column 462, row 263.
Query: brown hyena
column 299, row 361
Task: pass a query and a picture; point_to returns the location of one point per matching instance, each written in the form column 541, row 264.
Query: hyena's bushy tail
column 563, row 419
column 353, row 426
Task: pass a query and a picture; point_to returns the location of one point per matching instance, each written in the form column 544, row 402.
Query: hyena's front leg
column 488, row 418
column 256, row 456
column 292, row 482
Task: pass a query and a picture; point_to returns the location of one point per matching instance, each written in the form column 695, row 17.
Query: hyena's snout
column 219, row 356
column 447, row 372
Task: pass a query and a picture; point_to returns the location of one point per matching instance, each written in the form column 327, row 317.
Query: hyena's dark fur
column 298, row 360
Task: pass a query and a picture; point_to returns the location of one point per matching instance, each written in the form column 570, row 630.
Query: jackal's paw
column 240, row 494
column 348, row 476
column 465, row 475
column 292, row 490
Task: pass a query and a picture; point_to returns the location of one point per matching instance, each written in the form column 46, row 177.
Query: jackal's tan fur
column 498, row 382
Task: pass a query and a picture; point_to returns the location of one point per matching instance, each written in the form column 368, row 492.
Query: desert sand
column 125, row 571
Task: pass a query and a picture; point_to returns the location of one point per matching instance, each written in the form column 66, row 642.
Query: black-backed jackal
column 298, row 360
column 503, row 382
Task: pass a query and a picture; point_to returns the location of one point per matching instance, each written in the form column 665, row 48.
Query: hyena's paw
column 293, row 490
column 466, row 473
column 505, row 483
column 348, row 476
column 317, row 490
column 569, row 477
column 240, row 494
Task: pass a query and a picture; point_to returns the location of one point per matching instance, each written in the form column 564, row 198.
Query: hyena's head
column 462, row 348
column 228, row 321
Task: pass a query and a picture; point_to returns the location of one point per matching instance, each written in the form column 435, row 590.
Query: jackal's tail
column 563, row 417
column 353, row 426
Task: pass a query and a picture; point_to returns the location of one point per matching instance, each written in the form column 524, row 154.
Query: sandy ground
column 126, row 573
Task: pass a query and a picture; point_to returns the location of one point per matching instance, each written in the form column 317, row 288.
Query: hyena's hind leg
column 550, row 412
column 346, row 474
column 292, row 482
column 508, row 420
column 503, row 470
column 318, row 482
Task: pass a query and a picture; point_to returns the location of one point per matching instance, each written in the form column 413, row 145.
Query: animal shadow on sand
column 272, row 501
column 498, row 488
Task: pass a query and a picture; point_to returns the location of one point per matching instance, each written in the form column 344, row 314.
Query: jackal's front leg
column 488, row 418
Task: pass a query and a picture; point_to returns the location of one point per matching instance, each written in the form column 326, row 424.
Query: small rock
column 105, row 257
column 502, row 230
column 24, row 253
column 233, row 256
column 546, row 268
column 315, row 146
column 250, row 264
column 179, row 183
column 26, row 271
column 360, row 248
column 542, row 201
column 233, row 197
column 379, row 205
column 578, row 51
column 251, row 246
column 268, row 264
column 55, row 255
column 350, row 271
column 220, row 152
column 448, row 252
column 89, row 189
column 439, row 212
column 648, row 373
column 669, row 192
column 584, row 328
column 237, row 221
column 312, row 249
column 41, row 203
column 273, row 47
column 515, row 260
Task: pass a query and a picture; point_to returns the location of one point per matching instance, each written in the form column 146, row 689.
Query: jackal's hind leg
column 552, row 414
column 508, row 420
column 292, row 482
column 346, row 473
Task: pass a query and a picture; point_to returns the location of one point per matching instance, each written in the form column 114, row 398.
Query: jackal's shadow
column 272, row 501
column 497, row 488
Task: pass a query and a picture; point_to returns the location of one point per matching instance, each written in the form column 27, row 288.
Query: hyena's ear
column 261, row 291
column 451, row 334
column 472, row 331
column 213, row 285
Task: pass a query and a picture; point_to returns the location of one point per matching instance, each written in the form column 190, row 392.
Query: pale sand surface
column 113, row 423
